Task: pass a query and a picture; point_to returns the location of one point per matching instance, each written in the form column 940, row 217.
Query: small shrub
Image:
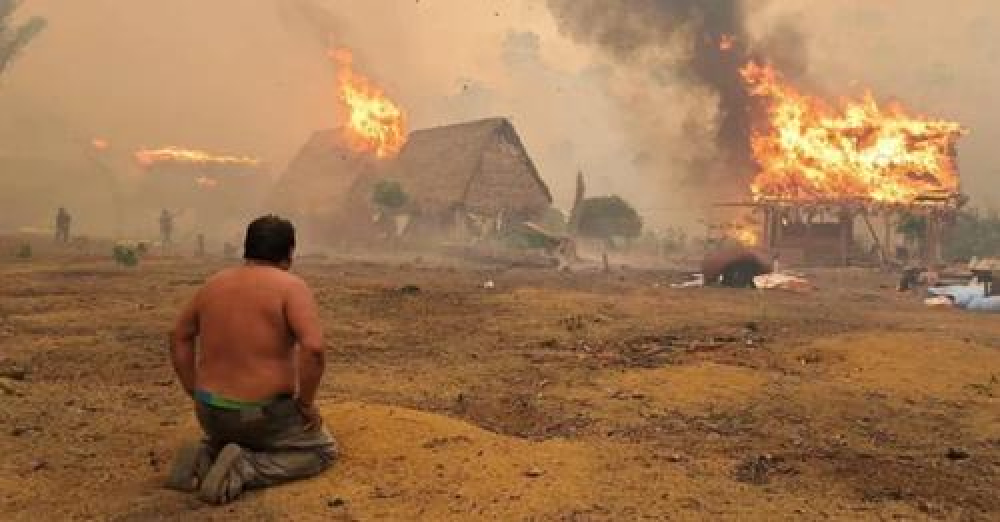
column 24, row 251
column 522, row 238
column 125, row 256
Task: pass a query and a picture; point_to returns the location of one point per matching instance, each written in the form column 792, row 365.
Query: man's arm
column 303, row 319
column 182, row 346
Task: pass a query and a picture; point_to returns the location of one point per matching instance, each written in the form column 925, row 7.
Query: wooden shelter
column 825, row 232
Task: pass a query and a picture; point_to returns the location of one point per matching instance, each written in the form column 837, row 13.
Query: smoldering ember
column 526, row 260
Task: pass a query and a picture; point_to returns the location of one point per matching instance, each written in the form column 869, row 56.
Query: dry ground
column 584, row 397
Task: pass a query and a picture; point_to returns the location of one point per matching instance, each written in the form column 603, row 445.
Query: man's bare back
column 248, row 320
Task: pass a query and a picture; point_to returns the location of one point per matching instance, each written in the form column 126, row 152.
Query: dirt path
column 546, row 398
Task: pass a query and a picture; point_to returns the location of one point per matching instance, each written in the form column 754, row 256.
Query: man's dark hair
column 269, row 239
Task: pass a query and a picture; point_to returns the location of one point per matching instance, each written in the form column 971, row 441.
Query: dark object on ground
column 734, row 267
column 409, row 289
column 24, row 252
column 13, row 371
column 755, row 470
column 909, row 279
column 986, row 278
column 957, row 454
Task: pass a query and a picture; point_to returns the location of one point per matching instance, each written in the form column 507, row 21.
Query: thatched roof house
column 456, row 174
column 479, row 167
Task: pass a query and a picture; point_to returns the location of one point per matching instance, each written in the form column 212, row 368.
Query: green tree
column 13, row 38
column 389, row 196
column 913, row 228
column 609, row 217
column 973, row 235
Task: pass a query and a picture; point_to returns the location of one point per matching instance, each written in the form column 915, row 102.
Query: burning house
column 316, row 188
column 459, row 180
column 830, row 176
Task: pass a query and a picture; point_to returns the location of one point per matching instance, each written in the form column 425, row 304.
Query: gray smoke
column 702, row 43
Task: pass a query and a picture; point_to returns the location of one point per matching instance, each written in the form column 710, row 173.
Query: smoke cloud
column 637, row 94
column 696, row 49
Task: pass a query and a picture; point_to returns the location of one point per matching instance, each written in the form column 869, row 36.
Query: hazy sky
column 251, row 77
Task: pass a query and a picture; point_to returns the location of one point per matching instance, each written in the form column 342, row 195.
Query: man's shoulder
column 272, row 276
column 221, row 275
column 294, row 281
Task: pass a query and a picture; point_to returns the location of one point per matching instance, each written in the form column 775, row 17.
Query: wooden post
column 888, row 241
column 878, row 243
column 779, row 226
column 768, row 239
column 934, row 254
column 845, row 236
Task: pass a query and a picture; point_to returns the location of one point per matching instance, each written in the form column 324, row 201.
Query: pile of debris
column 977, row 294
column 744, row 268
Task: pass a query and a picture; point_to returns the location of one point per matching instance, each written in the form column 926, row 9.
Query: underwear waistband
column 218, row 401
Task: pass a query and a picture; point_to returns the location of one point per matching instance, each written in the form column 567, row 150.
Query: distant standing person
column 166, row 227
column 254, row 374
column 63, row 222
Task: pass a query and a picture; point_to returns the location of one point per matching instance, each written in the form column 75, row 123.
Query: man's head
column 270, row 239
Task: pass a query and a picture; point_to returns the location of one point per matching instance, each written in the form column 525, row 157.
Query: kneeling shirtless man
column 253, row 375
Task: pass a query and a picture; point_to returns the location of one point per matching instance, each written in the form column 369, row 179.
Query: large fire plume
column 374, row 122
column 860, row 150
column 148, row 158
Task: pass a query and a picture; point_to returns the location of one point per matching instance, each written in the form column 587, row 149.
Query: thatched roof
column 438, row 166
column 319, row 178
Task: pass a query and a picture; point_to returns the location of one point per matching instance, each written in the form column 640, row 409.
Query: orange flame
column 148, row 158
column 726, row 42
column 860, row 151
column 375, row 123
column 747, row 236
